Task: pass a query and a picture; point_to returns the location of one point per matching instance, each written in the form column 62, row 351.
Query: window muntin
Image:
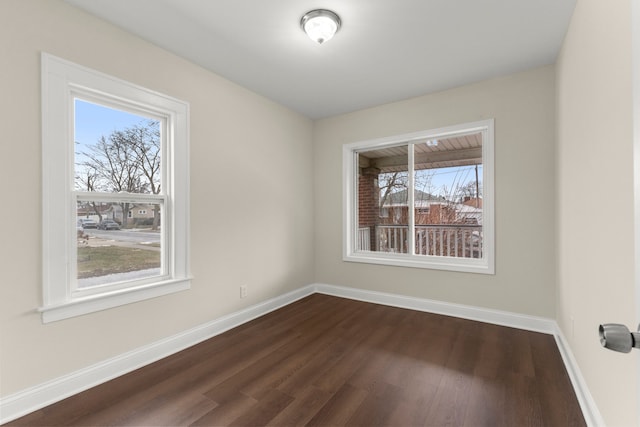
column 159, row 186
column 422, row 200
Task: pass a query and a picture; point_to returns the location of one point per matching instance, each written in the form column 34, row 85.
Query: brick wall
column 368, row 201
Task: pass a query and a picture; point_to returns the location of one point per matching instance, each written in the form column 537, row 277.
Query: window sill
column 79, row 307
column 464, row 265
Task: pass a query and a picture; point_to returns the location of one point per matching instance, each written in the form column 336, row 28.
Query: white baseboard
column 503, row 318
column 590, row 411
column 34, row 398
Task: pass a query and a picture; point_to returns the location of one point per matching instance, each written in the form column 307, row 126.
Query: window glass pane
column 423, row 199
column 118, row 241
column 448, row 196
column 115, row 151
column 382, row 200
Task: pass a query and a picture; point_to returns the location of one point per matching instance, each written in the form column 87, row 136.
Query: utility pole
column 477, row 189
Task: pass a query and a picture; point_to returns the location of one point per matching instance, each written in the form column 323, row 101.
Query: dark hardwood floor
column 327, row 361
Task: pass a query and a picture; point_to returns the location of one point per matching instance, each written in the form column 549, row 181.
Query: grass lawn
column 103, row 260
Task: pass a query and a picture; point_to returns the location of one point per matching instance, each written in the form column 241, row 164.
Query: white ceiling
column 386, row 50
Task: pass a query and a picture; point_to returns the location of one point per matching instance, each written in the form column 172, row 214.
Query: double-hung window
column 422, row 200
column 111, row 150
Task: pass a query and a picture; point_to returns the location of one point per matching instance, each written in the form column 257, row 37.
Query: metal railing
column 456, row 240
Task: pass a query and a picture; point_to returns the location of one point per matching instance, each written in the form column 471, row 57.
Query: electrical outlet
column 243, row 291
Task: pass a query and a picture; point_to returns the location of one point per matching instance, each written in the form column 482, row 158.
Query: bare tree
column 88, row 179
column 127, row 160
column 143, row 144
column 471, row 189
column 389, row 183
column 144, row 139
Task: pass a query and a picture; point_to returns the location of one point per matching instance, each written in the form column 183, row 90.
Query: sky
column 93, row 121
column 436, row 181
column 451, row 178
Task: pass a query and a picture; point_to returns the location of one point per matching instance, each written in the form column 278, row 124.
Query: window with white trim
column 108, row 147
column 422, row 200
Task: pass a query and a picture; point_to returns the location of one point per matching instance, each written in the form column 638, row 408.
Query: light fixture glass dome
column 320, row 25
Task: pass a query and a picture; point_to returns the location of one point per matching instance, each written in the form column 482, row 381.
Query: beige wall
column 251, row 195
column 595, row 199
column 523, row 108
column 247, row 211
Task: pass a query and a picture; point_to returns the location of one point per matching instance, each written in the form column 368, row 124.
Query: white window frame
column 62, row 82
column 485, row 265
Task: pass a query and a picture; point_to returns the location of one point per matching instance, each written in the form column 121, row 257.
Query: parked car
column 108, row 224
column 87, row 223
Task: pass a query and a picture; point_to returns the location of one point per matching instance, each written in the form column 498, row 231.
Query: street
column 125, row 235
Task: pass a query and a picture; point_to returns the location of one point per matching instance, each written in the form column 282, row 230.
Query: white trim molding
column 635, row 87
column 63, row 83
column 503, row 318
column 351, row 152
column 590, row 411
column 34, row 398
column 27, row 401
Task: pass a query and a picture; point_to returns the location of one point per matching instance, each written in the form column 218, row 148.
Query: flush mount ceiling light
column 320, row 24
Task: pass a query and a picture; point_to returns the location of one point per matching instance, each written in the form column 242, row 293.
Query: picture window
column 422, row 200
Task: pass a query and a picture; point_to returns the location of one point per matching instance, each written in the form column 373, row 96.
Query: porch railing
column 364, row 239
column 457, row 240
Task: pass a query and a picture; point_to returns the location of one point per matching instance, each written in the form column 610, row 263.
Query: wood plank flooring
column 328, row 361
